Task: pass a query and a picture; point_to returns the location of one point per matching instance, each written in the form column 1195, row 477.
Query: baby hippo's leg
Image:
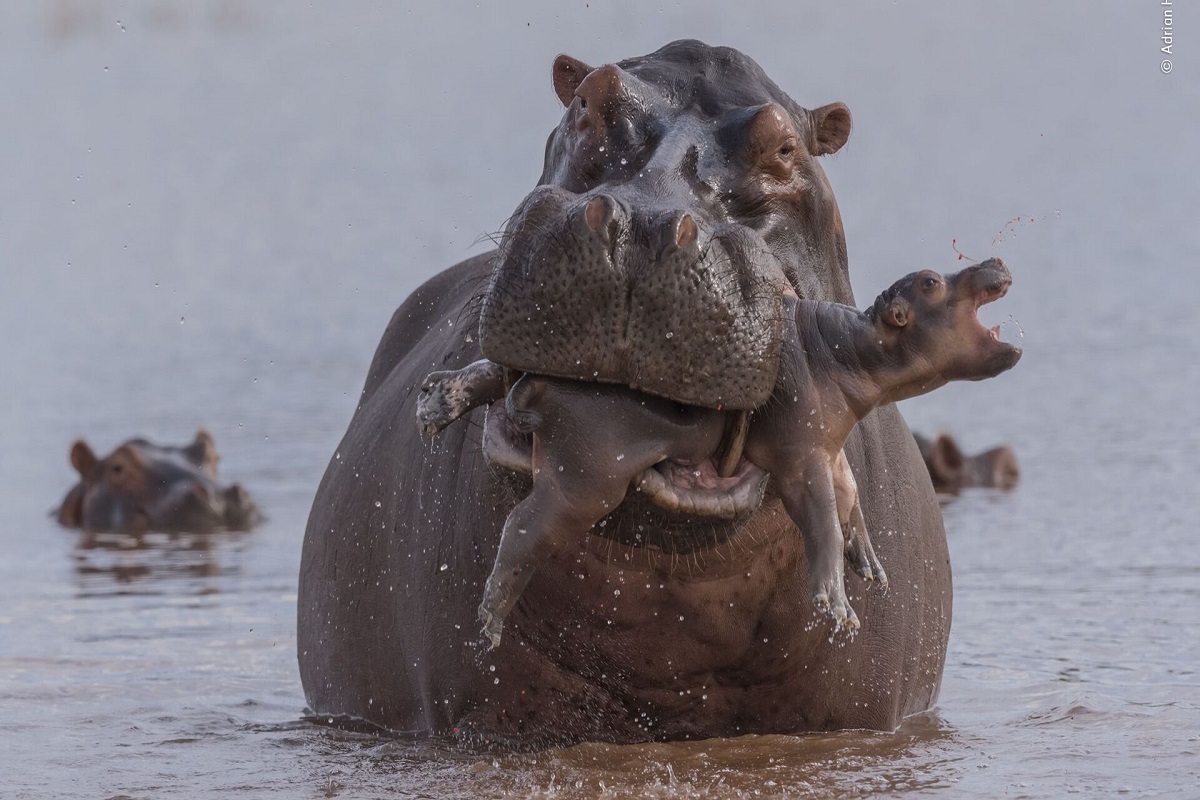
column 811, row 502
column 569, row 496
column 446, row 396
column 859, row 551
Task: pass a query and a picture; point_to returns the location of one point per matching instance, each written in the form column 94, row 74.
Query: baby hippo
column 591, row 443
column 141, row 486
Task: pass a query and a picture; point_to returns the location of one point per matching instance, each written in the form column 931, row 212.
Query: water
column 208, row 211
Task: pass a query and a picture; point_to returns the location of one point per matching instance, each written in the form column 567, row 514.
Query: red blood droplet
column 961, row 256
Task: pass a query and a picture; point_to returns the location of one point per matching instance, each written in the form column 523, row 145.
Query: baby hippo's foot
column 443, row 399
column 446, row 396
column 493, row 625
column 830, row 599
column 861, row 555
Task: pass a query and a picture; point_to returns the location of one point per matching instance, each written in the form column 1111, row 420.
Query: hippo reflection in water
column 680, row 202
column 587, row 446
column 141, row 487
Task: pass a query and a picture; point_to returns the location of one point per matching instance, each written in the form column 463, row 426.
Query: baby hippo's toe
column 493, row 625
column 862, row 559
column 835, row 606
column 439, row 403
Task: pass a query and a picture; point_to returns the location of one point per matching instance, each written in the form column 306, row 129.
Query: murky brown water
column 209, row 209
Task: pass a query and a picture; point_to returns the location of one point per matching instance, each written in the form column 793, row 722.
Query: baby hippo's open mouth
column 684, row 485
column 990, row 282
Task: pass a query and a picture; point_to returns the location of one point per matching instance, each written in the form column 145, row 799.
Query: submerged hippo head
column 952, row 470
column 142, row 486
column 681, row 199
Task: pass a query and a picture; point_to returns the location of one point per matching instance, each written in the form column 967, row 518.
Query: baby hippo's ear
column 83, row 459
column 895, row 313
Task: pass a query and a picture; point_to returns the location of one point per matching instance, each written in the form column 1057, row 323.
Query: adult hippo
column 655, row 625
column 141, row 486
column 952, row 470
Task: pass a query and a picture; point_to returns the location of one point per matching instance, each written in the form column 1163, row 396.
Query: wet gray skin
column 141, row 487
column 952, row 470
column 588, row 446
column 680, row 202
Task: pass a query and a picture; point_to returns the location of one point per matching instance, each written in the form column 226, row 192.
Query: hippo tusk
column 729, row 453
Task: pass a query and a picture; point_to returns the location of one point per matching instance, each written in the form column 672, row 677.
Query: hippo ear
column 203, row 452
column 830, row 128
column 946, row 460
column 70, row 513
column 895, row 313
column 568, row 73
column 83, row 459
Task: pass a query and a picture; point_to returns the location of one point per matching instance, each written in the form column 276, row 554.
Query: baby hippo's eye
column 929, row 283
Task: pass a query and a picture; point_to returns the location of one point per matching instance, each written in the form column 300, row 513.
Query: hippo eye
column 929, row 283
column 785, row 151
column 117, row 469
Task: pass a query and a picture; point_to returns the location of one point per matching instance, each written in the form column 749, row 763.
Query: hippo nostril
column 600, row 215
column 685, row 231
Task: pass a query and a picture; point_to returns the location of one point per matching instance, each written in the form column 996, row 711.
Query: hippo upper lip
column 992, row 293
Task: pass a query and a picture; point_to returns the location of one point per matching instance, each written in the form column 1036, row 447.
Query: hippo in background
column 951, row 470
column 141, row 486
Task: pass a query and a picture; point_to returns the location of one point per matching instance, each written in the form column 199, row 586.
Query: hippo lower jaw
column 696, row 490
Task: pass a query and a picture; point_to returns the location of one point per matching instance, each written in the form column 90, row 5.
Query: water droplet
column 378, row 504
column 620, row 456
column 670, row 334
column 443, row 567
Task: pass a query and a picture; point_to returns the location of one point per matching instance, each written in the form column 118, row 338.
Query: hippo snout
column 986, row 281
column 624, row 287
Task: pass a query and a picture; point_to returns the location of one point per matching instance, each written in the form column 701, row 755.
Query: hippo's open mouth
column 699, row 489
column 690, row 489
column 995, row 288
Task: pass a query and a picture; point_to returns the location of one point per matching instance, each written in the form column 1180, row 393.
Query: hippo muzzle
column 601, row 287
